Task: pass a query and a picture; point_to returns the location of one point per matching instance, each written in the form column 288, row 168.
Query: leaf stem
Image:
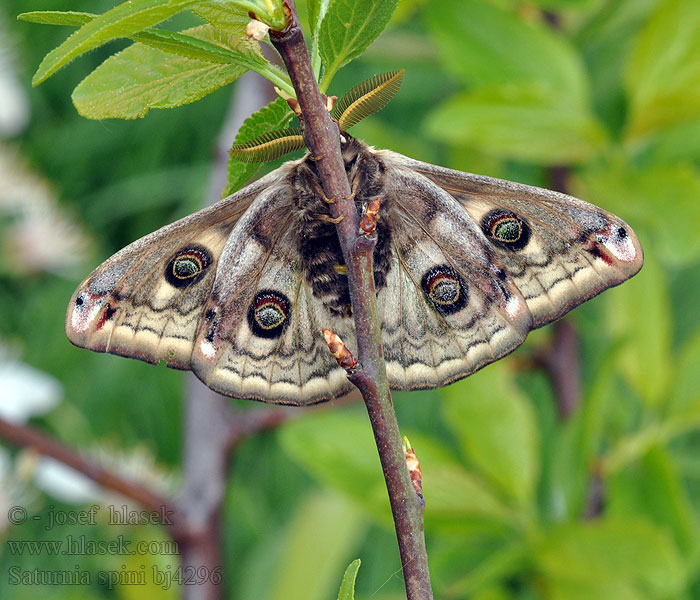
column 322, row 137
column 179, row 44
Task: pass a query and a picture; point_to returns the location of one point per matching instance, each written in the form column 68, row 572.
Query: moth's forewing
column 147, row 300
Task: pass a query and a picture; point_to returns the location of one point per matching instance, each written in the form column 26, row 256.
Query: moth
column 464, row 267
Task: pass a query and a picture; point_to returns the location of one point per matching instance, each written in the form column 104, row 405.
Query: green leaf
column 57, row 17
column 497, row 566
column 121, row 21
column 489, row 46
column 519, row 123
column 273, row 117
column 562, row 4
column 673, row 144
column 631, row 447
column 663, row 72
column 317, row 10
column 497, row 431
column 169, row 41
column 130, row 83
column 192, row 47
column 222, row 15
column 347, row 586
column 652, row 488
column 270, row 12
column 457, row 500
column 605, row 41
column 348, row 28
column 556, row 589
column 338, row 448
column 686, row 393
column 646, row 358
column 311, row 550
column 611, row 554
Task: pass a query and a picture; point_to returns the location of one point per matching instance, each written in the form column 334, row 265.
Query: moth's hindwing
column 449, row 307
column 261, row 336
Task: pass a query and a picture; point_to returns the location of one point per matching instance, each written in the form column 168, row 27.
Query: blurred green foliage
column 609, row 89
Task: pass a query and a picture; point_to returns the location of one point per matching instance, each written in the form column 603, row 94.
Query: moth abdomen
column 322, row 259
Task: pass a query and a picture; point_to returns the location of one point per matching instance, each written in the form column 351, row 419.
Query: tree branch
column 28, row 437
column 323, row 140
column 561, row 362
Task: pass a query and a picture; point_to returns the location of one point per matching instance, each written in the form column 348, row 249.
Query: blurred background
column 569, row 470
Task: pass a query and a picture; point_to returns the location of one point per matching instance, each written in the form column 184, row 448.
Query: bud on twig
column 339, row 351
column 293, row 104
column 413, row 467
column 330, row 101
column 257, row 30
column 369, row 220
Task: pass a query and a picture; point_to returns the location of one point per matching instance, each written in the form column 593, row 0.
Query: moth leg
column 355, row 185
column 328, row 219
column 326, row 199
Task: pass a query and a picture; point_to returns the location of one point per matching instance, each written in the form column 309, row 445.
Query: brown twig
column 25, row 436
column 244, row 424
column 323, row 140
column 561, row 362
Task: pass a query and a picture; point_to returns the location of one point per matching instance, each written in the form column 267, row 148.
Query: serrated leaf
column 317, row 10
column 222, row 15
column 347, row 586
column 497, row 430
column 272, row 117
column 57, row 17
column 169, row 41
column 192, row 47
column 663, row 72
column 521, row 123
column 139, row 78
column 121, row 21
column 346, row 31
column 489, row 46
